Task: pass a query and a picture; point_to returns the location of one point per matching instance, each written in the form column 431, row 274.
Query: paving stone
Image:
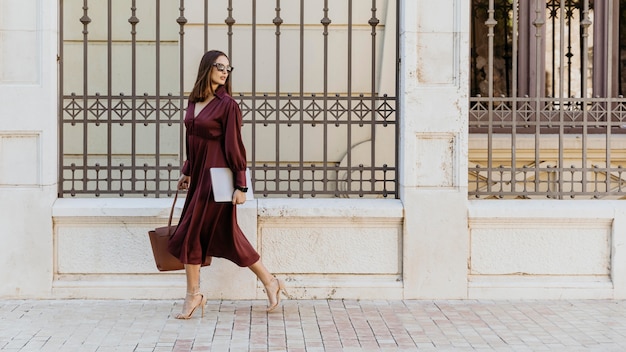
column 317, row 325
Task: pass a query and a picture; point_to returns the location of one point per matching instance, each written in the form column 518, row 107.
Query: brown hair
column 203, row 88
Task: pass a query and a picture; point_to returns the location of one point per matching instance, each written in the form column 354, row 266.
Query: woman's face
column 219, row 77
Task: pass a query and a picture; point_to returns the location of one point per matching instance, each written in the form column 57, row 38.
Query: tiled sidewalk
column 335, row 325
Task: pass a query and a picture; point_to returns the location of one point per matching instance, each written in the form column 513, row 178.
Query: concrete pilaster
column 433, row 147
column 28, row 145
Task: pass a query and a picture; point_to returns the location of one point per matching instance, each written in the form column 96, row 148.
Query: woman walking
column 208, row 228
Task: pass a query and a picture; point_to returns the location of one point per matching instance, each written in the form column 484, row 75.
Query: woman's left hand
column 239, row 197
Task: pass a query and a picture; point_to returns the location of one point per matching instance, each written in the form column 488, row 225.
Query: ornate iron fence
column 548, row 117
column 317, row 83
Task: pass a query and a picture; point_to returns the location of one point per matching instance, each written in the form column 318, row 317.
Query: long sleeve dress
column 206, row 227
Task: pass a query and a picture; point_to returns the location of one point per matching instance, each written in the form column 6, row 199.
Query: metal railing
column 316, row 86
column 547, row 119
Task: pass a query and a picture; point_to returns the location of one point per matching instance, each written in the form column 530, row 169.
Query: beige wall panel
column 103, row 249
column 575, row 248
column 439, row 69
column 20, row 160
column 437, row 165
column 331, row 247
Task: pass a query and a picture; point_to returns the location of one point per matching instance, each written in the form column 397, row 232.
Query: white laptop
column 223, row 187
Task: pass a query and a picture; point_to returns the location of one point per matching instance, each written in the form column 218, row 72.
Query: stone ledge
column 331, row 208
column 121, row 207
column 552, row 209
column 159, row 207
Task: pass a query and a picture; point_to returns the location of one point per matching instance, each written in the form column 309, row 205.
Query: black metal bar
column 538, row 105
column 569, row 15
column 61, row 102
column 585, row 23
column 205, row 42
column 349, row 100
column 325, row 22
column 277, row 22
column 300, row 100
column 254, row 93
column 553, row 13
column 396, row 191
column 157, row 90
column 133, row 21
column 230, row 21
column 373, row 22
column 85, row 20
column 514, row 58
column 490, row 23
column 109, row 177
column 181, row 38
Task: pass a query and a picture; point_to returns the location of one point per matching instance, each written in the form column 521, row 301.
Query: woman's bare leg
column 192, row 272
column 273, row 286
column 193, row 298
column 261, row 272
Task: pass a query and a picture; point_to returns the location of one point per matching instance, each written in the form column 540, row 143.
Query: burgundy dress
column 208, row 228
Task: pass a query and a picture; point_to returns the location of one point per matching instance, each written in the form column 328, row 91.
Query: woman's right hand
column 183, row 182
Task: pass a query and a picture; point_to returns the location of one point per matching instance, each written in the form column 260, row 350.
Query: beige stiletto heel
column 201, row 304
column 273, row 290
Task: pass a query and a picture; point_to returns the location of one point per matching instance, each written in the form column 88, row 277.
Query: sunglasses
column 223, row 68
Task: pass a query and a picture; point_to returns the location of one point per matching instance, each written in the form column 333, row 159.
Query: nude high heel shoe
column 202, row 303
column 273, row 290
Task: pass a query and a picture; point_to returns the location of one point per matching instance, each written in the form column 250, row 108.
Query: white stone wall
column 322, row 248
column 432, row 243
column 350, row 249
column 28, row 143
column 547, row 249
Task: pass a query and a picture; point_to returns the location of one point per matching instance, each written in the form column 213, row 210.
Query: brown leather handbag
column 159, row 238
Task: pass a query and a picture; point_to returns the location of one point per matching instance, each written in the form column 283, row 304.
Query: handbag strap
column 169, row 222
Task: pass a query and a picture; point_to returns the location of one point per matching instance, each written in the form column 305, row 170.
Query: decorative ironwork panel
column 547, row 116
column 316, row 90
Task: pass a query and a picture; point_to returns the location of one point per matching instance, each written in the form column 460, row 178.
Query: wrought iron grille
column 316, row 82
column 547, row 118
